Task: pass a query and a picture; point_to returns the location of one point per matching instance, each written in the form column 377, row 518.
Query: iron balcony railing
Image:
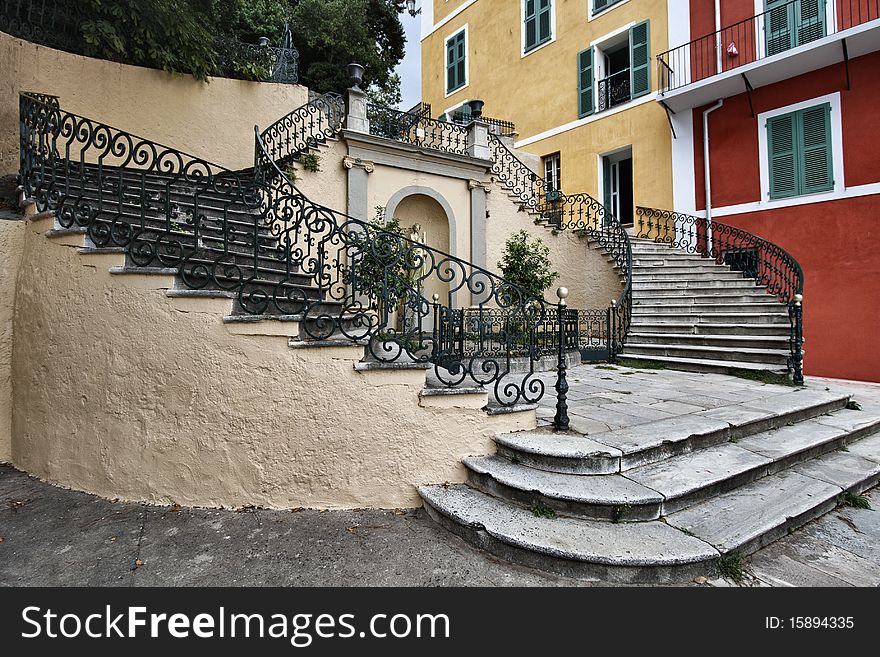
column 780, row 28
column 613, row 90
column 416, row 129
column 497, row 126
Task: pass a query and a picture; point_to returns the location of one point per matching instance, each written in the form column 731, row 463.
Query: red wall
column 837, row 242
column 838, row 245
column 733, row 132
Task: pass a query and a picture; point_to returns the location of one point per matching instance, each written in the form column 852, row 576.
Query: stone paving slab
column 841, row 469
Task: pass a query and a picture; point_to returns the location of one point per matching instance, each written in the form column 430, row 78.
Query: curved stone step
column 600, row 497
column 778, row 342
column 623, row 552
column 620, row 450
column 645, row 325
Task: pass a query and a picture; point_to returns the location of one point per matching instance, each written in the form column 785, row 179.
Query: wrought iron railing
column 53, row 23
column 417, row 129
column 613, row 90
column 497, row 126
column 260, row 61
column 767, row 263
column 278, row 253
column 587, row 216
column 59, row 24
column 776, row 30
column 303, row 129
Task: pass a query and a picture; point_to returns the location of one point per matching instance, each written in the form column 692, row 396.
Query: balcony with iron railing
column 613, row 90
column 786, row 40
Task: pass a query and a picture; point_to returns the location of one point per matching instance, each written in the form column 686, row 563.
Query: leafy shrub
column 526, row 263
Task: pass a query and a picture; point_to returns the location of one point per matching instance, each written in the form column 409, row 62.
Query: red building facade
column 784, row 97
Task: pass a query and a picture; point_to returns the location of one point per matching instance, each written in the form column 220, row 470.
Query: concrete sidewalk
column 52, row 536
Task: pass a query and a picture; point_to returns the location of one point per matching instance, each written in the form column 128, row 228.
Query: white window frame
column 836, row 151
column 467, row 60
column 522, row 29
column 593, row 14
column 545, row 160
column 599, row 64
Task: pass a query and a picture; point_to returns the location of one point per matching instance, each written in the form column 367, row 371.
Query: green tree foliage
column 171, row 35
column 381, row 270
column 333, row 33
column 526, row 263
column 183, row 36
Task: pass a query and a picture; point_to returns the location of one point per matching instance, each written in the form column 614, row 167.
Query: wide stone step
column 685, row 269
column 691, row 478
column 773, row 358
column 779, row 342
column 646, row 325
column 688, row 297
column 608, row 452
column 624, row 552
column 603, row 497
column 704, row 365
column 649, row 260
column 709, row 317
column 645, row 306
column 675, row 283
column 750, row 517
column 649, row 276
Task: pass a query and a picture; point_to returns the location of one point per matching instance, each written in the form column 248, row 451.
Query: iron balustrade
column 259, row 61
column 253, row 236
column 776, row 30
column 613, row 90
column 417, row 129
column 498, row 126
column 769, row 264
column 587, row 216
column 301, row 130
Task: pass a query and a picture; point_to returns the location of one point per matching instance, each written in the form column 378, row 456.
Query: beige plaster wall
column 119, row 393
column 214, row 121
column 11, row 240
column 328, row 186
column 590, row 278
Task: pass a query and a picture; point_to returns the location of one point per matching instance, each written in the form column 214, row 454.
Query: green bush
column 526, row 263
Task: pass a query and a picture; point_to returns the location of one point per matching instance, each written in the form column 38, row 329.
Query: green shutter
column 639, row 59
column 816, row 162
column 810, row 20
column 545, row 25
column 531, row 24
column 783, row 155
column 800, row 155
column 778, row 20
column 585, row 82
column 456, row 56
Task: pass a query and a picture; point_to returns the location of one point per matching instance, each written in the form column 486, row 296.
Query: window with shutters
column 800, row 152
column 538, row 23
column 456, row 61
column 792, row 23
column 615, row 71
column 601, row 5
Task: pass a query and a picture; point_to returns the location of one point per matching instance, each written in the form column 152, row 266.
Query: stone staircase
column 663, row 500
column 692, row 314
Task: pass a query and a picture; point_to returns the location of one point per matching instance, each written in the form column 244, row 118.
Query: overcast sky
column 410, row 69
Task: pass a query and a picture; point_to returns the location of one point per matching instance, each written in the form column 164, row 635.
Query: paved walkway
column 51, row 536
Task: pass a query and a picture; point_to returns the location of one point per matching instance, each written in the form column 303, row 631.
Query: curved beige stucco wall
column 11, row 240
column 214, row 121
column 120, row 391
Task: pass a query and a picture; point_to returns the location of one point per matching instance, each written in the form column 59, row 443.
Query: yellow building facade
column 577, row 77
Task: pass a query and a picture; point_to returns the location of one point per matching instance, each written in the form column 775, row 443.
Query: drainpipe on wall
column 718, row 44
column 707, row 176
